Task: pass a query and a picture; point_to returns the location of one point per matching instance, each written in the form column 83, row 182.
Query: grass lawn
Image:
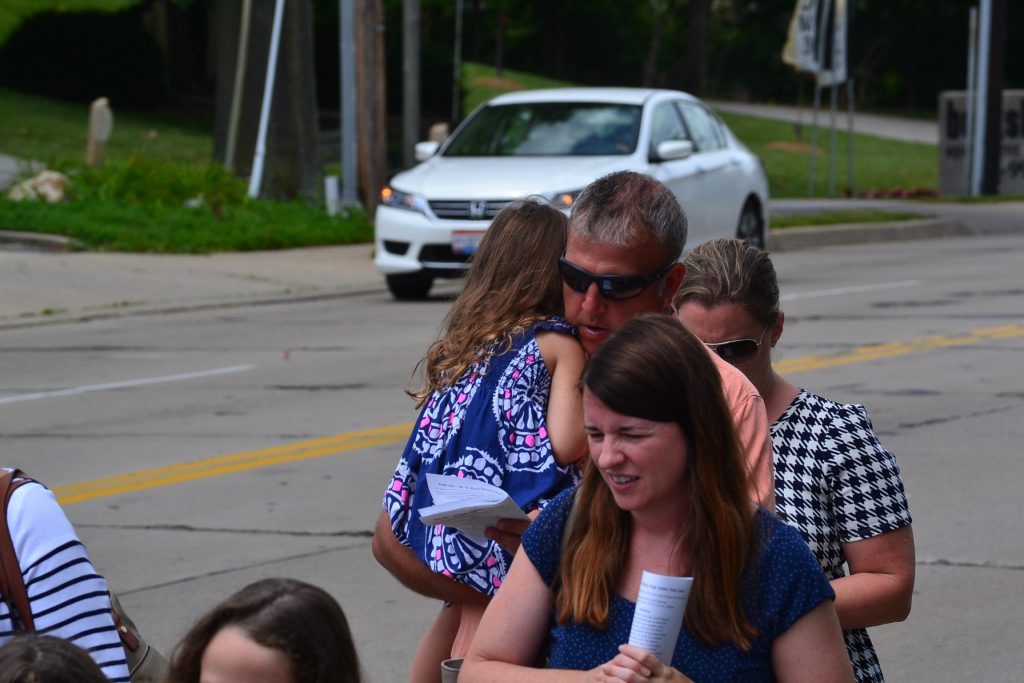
column 137, row 200
column 48, row 130
column 878, row 163
column 842, row 217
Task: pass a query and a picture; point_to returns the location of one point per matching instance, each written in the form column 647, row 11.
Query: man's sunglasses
column 739, row 351
column 610, row 286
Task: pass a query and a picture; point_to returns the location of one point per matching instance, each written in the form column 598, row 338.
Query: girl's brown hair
column 300, row 620
column 512, row 283
column 652, row 368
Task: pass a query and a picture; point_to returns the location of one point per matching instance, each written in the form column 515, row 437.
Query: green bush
column 139, row 180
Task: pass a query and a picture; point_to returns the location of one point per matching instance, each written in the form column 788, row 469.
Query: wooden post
column 101, row 122
column 371, row 120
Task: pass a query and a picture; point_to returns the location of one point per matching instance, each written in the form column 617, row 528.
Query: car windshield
column 549, row 129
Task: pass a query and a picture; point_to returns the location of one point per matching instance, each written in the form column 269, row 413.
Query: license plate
column 466, row 241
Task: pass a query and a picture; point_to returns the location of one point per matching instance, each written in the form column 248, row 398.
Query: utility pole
column 348, row 94
column 410, row 80
column 372, row 119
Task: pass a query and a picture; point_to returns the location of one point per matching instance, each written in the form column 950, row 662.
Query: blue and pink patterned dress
column 490, row 426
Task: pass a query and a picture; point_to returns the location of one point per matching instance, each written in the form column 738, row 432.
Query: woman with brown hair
column 271, row 631
column 666, row 492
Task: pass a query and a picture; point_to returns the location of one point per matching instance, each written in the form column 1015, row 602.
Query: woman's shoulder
column 834, row 411
column 827, row 417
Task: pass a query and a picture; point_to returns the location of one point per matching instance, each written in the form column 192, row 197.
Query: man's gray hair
column 622, row 208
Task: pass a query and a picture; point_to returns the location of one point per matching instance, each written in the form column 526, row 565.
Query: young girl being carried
column 499, row 404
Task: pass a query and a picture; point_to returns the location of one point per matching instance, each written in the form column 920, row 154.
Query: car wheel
column 410, row 286
column 751, row 227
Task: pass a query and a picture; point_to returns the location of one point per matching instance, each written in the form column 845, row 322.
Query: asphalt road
column 198, row 451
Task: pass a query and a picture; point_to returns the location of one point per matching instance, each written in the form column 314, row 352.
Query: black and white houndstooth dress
column 836, row 483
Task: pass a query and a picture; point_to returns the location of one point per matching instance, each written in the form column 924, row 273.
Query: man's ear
column 670, row 284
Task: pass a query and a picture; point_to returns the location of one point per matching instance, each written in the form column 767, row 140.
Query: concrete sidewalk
column 43, row 287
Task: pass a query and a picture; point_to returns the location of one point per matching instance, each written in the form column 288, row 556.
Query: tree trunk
column 292, row 166
column 697, row 46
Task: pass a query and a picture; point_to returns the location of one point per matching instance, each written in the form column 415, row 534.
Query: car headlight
column 397, row 199
column 565, row 200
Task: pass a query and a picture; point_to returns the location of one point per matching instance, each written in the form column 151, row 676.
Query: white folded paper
column 468, row 505
column 660, row 606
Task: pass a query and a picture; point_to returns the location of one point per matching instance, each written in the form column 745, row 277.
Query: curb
column 36, row 241
column 811, row 237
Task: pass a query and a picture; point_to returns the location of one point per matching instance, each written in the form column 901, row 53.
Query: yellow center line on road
column 350, row 441
column 862, row 354
column 228, row 464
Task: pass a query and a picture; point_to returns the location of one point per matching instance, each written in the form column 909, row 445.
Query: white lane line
column 73, row 391
column 849, row 290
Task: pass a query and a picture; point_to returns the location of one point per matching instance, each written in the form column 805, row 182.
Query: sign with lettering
column 954, row 156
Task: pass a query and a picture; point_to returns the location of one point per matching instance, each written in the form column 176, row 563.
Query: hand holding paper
column 660, row 606
column 468, row 505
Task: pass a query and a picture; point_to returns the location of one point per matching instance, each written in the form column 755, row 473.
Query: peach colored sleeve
column 751, row 422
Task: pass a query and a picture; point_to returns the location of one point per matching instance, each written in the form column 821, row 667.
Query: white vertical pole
column 981, row 96
column 348, row 94
column 970, row 101
column 268, row 91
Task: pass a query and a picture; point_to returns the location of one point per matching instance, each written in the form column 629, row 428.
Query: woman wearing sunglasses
column 834, row 480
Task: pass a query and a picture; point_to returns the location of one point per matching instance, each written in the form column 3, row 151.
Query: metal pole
column 824, row 9
column 236, row 91
column 970, row 99
column 850, row 182
column 347, row 90
column 833, row 141
column 268, row 91
column 981, row 98
column 457, row 65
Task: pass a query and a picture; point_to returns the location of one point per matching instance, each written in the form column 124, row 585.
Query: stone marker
column 101, row 122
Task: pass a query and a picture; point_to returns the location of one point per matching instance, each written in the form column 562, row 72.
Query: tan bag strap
column 12, row 582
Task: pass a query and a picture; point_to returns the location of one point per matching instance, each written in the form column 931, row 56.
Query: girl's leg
column 471, row 616
column 436, row 646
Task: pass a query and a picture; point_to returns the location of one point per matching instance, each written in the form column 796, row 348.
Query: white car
column 553, row 143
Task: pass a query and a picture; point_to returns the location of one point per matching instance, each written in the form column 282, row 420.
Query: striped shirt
column 68, row 596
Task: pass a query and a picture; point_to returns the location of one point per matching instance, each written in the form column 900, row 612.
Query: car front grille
column 467, row 210
column 442, row 253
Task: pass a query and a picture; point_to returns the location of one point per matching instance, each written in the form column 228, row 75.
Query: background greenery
column 159, row 191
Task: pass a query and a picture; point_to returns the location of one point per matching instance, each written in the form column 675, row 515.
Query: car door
column 723, row 185
column 681, row 176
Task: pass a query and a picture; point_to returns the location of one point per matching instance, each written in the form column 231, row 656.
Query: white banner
column 801, row 49
column 802, row 44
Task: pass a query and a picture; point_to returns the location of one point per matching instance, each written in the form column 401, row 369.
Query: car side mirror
column 425, row 150
column 671, row 150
